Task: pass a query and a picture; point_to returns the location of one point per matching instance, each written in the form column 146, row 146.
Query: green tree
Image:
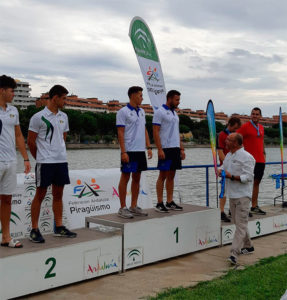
column 183, row 128
column 186, row 121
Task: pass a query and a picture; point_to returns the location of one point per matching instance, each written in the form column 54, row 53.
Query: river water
column 191, row 182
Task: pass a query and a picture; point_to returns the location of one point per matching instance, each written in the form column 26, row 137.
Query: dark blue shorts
column 47, row 174
column 172, row 160
column 137, row 162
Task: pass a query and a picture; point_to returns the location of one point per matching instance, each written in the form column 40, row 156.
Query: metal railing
column 207, row 174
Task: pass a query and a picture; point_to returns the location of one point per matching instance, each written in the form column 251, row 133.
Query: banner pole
column 210, row 115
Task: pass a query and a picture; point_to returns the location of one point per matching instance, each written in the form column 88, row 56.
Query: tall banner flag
column 148, row 60
column 212, row 131
column 281, row 144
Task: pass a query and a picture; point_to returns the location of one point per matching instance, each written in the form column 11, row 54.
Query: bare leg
column 136, row 177
column 36, row 205
column 123, row 188
column 222, row 202
column 57, row 191
column 169, row 185
column 5, row 214
column 160, row 185
column 255, row 192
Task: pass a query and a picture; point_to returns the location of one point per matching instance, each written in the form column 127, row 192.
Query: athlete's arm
column 147, row 141
column 156, row 137
column 65, row 135
column 221, row 154
column 31, row 141
column 20, row 142
column 121, row 138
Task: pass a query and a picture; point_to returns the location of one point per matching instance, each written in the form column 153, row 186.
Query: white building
column 22, row 95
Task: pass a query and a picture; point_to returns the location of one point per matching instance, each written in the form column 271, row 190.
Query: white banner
column 95, row 192
column 91, row 192
column 148, row 60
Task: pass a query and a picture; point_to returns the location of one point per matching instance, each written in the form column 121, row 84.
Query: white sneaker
column 137, row 211
column 125, row 213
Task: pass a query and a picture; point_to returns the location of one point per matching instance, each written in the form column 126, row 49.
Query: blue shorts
column 137, row 162
column 172, row 160
column 47, row 174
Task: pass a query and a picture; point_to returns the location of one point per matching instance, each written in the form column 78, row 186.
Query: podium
column 164, row 235
column 275, row 220
column 59, row 261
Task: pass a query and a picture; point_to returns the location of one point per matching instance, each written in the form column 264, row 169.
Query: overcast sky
column 233, row 52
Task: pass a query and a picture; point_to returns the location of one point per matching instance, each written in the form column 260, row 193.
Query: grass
column 267, row 279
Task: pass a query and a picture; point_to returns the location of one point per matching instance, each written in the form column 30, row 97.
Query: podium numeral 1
column 176, row 234
column 49, row 273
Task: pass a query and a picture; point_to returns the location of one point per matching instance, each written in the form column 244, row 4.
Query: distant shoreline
column 72, row 146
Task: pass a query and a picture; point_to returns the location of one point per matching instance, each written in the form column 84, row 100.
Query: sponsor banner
column 148, row 60
column 91, row 192
column 95, row 192
column 20, row 221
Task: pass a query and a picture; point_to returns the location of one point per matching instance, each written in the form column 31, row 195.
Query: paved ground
column 185, row 271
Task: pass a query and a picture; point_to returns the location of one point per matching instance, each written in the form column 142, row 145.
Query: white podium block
column 274, row 220
column 163, row 235
column 280, row 222
column 58, row 261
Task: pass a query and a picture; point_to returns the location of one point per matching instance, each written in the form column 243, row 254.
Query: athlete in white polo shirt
column 170, row 149
column 46, row 139
column 10, row 134
column 133, row 138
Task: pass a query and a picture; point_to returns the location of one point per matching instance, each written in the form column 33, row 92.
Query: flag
column 212, row 131
column 148, row 60
column 281, row 140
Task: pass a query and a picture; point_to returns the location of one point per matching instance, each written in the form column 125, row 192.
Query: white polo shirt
column 9, row 118
column 50, row 142
column 168, row 121
column 134, row 122
column 240, row 163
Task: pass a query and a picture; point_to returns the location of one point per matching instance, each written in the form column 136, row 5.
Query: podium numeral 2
column 49, row 274
column 176, row 234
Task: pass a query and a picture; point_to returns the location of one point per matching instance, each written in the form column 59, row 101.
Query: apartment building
column 22, row 97
column 112, row 106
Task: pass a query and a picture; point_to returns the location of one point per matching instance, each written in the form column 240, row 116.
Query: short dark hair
column 134, row 90
column 58, row 90
column 239, row 139
column 257, row 108
column 7, row 82
column 234, row 120
column 172, row 93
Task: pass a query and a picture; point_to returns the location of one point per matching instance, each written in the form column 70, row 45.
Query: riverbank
column 73, row 146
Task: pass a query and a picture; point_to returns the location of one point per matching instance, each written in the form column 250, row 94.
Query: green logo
column 142, row 40
column 133, row 254
column 49, row 127
column 228, row 233
column 30, row 190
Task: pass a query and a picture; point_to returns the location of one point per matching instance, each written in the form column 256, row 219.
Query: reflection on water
column 191, row 182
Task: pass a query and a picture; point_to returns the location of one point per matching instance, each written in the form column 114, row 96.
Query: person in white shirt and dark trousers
column 239, row 166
